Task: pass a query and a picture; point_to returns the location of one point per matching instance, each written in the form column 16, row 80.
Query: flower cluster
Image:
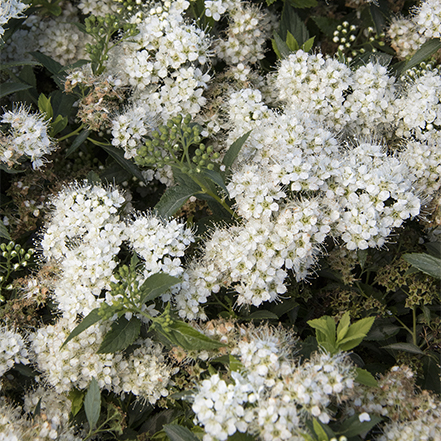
column 28, row 136
column 272, row 395
column 12, row 350
column 10, row 9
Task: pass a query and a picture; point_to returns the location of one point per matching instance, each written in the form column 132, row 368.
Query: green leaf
column 353, row 426
column 261, row 315
column 307, row 45
column 118, row 156
column 173, row 199
column 382, row 331
column 304, row 3
column 8, row 88
column 423, row 53
column 188, row 338
column 18, row 64
column 215, row 177
column 365, row 377
column 319, row 431
column 280, row 47
column 235, row 364
column 92, row 403
column 430, row 379
column 291, row 42
column 45, row 106
column 51, row 65
column 176, row 432
column 406, row 347
column 326, row 327
column 362, row 256
column 121, row 335
column 78, row 141
column 343, row 326
column 76, row 398
column 234, row 150
column 88, row 321
column 356, row 333
column 4, row 231
column 326, row 24
column 425, row 263
column 58, row 125
column 156, row 285
column 291, row 22
column 380, row 15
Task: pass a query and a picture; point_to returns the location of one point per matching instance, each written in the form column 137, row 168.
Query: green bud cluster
column 14, row 257
column 170, row 145
column 126, row 291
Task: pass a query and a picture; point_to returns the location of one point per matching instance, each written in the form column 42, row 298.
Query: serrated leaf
column 45, row 106
column 92, row 403
column 78, row 141
column 353, row 426
column 51, row 65
column 343, row 326
column 406, row 347
column 301, row 4
column 88, row 321
column 425, row 263
column 4, row 231
column 365, row 377
column 8, row 88
column 118, row 156
column 215, row 177
column 76, row 398
column 291, row 42
column 290, row 21
column 157, row 284
column 121, row 335
column 423, row 53
column 176, row 432
column 173, row 199
column 234, row 150
column 188, row 338
column 307, row 45
column 280, row 47
column 326, row 24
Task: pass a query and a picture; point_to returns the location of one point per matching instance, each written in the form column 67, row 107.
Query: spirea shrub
column 220, row 220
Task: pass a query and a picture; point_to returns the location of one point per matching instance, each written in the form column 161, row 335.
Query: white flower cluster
column 56, row 37
column 246, row 35
column 272, row 396
column 217, row 8
column 28, row 135
column 84, row 235
column 428, row 427
column 12, row 350
column 143, row 373
column 10, row 9
column 428, row 18
column 99, row 8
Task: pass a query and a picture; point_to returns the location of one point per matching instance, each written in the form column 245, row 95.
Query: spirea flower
column 10, row 9
column 428, row 18
column 28, row 136
column 12, row 350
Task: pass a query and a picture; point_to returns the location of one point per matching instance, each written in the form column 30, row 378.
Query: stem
column 414, row 336
column 71, row 133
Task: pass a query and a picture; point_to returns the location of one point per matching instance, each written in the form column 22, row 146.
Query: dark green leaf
column 326, row 24
column 92, row 403
column 3, row 231
column 118, row 156
column 280, row 47
column 234, row 150
column 238, row 436
column 121, row 335
column 62, row 103
column 51, row 65
column 8, row 88
column 365, row 377
column 173, row 199
column 434, row 249
column 291, row 22
column 179, row 433
column 425, row 263
column 187, row 337
column 216, row 177
column 18, row 64
column 156, row 285
column 382, row 331
column 304, row 3
column 423, row 53
column 92, row 318
column 406, row 347
column 431, row 373
column 353, row 426
column 379, row 14
column 261, row 315
column 78, row 141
